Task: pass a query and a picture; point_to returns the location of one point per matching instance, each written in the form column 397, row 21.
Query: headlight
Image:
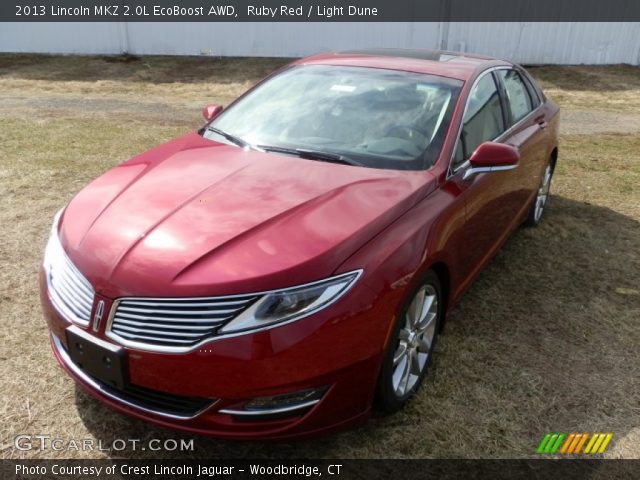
column 290, row 304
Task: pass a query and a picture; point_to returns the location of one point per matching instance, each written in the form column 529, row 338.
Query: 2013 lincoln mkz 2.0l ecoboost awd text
column 287, row 268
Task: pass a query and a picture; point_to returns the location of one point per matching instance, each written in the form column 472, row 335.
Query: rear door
column 527, row 131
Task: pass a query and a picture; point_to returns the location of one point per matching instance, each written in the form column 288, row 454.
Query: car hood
column 196, row 217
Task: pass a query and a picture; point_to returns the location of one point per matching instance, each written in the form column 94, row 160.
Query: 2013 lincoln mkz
column 287, row 268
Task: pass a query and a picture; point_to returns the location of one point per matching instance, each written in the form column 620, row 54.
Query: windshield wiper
column 312, row 154
column 232, row 138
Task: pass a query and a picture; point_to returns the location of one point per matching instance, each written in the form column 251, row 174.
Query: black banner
column 319, row 11
column 310, row 469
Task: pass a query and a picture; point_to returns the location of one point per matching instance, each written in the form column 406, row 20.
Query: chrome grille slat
column 60, row 305
column 190, row 335
column 70, row 292
column 177, row 312
column 77, row 277
column 70, row 311
column 215, row 321
column 178, row 323
column 65, row 295
column 185, row 303
column 125, row 321
column 67, row 279
column 64, row 278
column 71, row 268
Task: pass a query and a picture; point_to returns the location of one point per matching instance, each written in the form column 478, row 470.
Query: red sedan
column 288, row 267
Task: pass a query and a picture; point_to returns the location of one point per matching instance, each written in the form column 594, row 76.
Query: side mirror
column 211, row 111
column 492, row 157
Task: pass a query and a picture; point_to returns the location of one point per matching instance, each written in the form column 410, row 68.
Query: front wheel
column 410, row 346
column 542, row 197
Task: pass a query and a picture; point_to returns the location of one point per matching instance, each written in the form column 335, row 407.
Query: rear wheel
column 411, row 345
column 542, row 197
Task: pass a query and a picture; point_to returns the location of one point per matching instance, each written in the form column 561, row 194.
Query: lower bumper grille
column 161, row 401
column 141, row 398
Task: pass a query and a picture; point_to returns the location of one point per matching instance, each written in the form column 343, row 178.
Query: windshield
column 379, row 118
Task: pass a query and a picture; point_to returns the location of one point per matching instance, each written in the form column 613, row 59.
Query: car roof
column 458, row 65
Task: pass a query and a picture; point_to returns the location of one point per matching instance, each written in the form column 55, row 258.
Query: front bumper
column 327, row 349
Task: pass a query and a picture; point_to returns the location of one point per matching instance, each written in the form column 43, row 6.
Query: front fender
column 396, row 258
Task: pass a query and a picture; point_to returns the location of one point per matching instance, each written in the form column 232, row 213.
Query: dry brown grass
column 546, row 339
column 611, row 88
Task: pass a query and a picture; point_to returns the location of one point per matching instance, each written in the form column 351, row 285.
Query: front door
column 491, row 199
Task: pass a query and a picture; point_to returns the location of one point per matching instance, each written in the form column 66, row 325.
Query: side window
column 517, row 94
column 482, row 120
column 533, row 93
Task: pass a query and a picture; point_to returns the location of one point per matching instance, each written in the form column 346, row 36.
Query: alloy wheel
column 543, row 193
column 415, row 340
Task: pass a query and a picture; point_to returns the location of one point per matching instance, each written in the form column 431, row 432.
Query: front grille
column 175, row 323
column 71, row 293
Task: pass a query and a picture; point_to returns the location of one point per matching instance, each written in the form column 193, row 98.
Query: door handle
column 540, row 120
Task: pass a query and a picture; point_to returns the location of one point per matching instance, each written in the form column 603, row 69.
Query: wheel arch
column 442, row 271
column 554, row 157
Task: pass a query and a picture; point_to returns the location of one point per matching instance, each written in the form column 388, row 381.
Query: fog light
column 287, row 401
column 277, row 406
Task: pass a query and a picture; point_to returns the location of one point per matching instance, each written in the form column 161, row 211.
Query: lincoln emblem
column 97, row 318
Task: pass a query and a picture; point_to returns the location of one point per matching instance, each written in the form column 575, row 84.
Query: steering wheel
column 407, row 132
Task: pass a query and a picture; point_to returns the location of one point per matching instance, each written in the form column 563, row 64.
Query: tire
column 541, row 200
column 391, row 393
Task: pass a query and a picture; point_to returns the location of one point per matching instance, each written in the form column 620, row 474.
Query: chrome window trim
column 177, row 350
column 95, row 385
column 453, row 171
column 270, row 411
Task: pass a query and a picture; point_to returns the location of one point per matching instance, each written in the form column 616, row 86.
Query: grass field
column 546, row 339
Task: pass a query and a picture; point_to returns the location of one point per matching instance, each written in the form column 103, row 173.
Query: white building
column 523, row 42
